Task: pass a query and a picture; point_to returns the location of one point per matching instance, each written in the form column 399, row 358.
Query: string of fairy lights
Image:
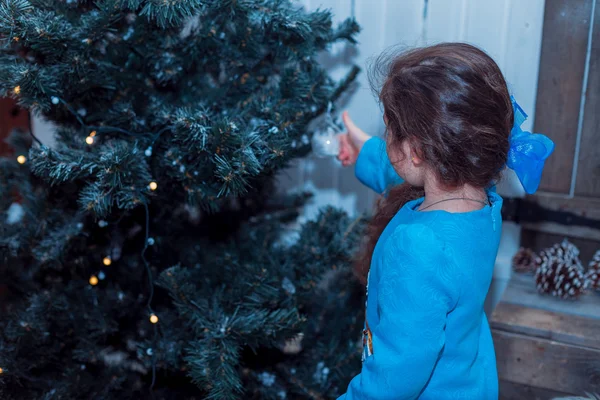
column 107, row 260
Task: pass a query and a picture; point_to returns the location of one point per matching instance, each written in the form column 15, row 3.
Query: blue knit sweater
column 426, row 334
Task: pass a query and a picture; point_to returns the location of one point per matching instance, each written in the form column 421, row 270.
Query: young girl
column 450, row 130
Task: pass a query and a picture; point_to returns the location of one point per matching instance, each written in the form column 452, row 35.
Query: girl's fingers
column 354, row 132
column 343, row 145
column 347, row 154
column 350, row 126
column 356, row 136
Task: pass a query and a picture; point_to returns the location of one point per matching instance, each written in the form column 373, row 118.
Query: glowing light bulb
column 107, row 261
column 89, row 140
column 93, row 133
column 153, row 318
column 153, row 185
column 1, row 370
column 17, row 89
column 93, row 280
column 21, row 159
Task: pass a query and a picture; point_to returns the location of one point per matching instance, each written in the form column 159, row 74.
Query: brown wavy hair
column 451, row 102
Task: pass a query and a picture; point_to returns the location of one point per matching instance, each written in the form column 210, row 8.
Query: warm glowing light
column 107, row 261
column 21, row 159
column 17, row 89
column 153, row 185
column 153, row 318
column 1, row 370
column 93, row 133
column 89, row 140
column 93, row 280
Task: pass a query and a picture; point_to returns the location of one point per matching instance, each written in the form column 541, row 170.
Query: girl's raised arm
column 373, row 167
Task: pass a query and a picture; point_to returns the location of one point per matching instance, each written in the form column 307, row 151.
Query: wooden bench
column 546, row 347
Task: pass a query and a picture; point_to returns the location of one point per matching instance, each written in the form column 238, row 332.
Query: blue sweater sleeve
column 415, row 293
column 373, row 167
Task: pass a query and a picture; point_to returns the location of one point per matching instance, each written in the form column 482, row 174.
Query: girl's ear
column 415, row 156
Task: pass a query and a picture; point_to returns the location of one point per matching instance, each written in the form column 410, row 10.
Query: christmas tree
column 145, row 254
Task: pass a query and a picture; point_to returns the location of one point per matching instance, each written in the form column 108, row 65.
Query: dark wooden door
column 11, row 117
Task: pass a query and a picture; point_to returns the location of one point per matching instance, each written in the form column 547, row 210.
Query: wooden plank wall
column 510, row 30
column 567, row 111
column 588, row 171
column 569, row 97
column 563, row 60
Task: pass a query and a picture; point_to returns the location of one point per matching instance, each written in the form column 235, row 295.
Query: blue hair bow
column 527, row 152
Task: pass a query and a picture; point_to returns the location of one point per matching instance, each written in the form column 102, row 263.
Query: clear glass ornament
column 325, row 142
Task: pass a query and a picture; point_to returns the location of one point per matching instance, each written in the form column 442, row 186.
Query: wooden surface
column 588, row 236
column 547, row 364
column 522, row 291
column 543, row 324
column 588, row 173
column 515, row 391
column 562, row 65
column 580, row 206
column 582, row 232
column 545, row 347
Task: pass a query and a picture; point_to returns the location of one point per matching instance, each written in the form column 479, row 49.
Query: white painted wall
column 509, row 30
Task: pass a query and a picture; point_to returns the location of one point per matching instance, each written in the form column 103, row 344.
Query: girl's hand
column 351, row 142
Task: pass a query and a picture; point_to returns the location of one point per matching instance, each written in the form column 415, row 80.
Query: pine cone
column 559, row 278
column 525, row 260
column 565, row 251
column 592, row 274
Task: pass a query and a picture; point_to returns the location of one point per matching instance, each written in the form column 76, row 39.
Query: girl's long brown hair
column 451, row 102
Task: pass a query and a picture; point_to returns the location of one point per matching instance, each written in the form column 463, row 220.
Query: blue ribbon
column 528, row 152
